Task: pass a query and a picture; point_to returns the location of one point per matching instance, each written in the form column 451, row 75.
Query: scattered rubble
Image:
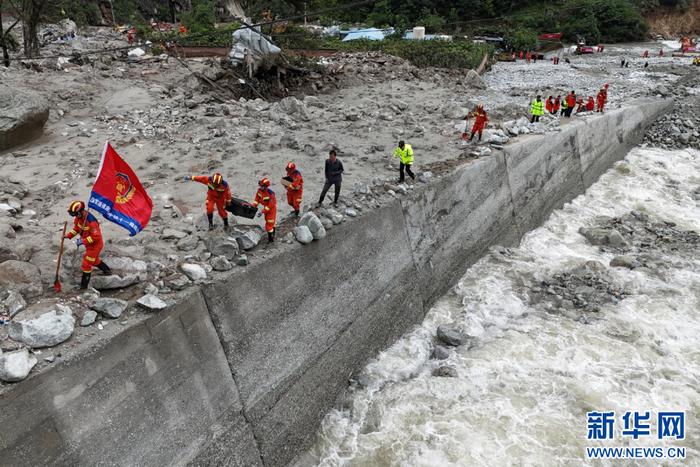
column 450, row 336
column 15, row 366
column 151, row 302
column 110, row 307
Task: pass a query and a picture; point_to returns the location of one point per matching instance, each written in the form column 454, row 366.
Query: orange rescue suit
column 602, row 98
column 91, row 235
column 267, row 199
column 480, row 120
column 218, row 196
column 295, row 190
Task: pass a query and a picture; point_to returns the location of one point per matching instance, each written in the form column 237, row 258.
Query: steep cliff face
column 673, row 23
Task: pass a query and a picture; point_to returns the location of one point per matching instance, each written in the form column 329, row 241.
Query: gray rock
column 126, row 264
column 327, row 223
column 151, row 302
column 22, row 116
column 350, row 212
column 47, row 330
column 602, row 236
column 15, row 366
column 425, row 177
column 445, row 371
column 188, row 243
column 88, row 318
column 440, row 352
column 14, row 303
column 451, row 336
column 242, row 260
column 110, row 307
column 474, row 80
column 249, row 240
column 314, row 224
column 625, row 261
column 172, row 234
column 303, row 235
column 335, row 216
column 114, row 281
column 178, row 282
column 294, row 107
column 223, row 246
column 22, row 277
column 220, row 263
column 194, row 272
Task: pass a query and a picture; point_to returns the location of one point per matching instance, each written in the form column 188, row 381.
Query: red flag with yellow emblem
column 118, row 194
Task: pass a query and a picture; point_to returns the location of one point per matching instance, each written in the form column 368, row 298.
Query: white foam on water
column 522, row 392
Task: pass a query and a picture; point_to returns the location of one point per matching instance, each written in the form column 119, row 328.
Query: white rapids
column 522, row 391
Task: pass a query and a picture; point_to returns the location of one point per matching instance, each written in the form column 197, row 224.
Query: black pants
column 535, row 118
column 403, row 166
column 325, row 190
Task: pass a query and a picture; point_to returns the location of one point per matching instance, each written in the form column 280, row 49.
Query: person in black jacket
column 334, row 176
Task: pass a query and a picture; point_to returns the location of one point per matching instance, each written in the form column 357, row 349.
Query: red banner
column 118, row 194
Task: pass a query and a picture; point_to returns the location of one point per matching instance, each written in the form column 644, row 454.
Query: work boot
column 296, row 213
column 104, row 268
column 271, row 237
column 84, row 281
column 210, row 218
column 226, row 223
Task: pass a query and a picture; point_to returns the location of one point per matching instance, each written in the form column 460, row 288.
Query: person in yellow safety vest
column 536, row 109
column 564, row 106
column 405, row 153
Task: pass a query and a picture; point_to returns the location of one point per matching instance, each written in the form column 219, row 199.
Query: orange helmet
column 265, row 182
column 75, row 207
column 217, row 179
column 291, row 167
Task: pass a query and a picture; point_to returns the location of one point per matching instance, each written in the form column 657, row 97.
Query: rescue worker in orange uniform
column 296, row 188
column 182, row 29
column 266, row 198
column 87, row 229
column 557, row 105
column 602, row 98
column 480, row 121
column 549, row 105
column 218, row 194
column 590, row 105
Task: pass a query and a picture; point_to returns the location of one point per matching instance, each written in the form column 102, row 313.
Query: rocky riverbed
column 166, row 123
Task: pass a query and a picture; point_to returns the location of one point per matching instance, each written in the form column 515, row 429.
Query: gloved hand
column 187, row 178
column 260, row 213
column 78, row 241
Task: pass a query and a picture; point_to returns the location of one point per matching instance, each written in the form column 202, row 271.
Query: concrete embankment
column 241, row 371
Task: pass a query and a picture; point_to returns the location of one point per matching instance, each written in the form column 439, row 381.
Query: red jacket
column 557, row 105
column 602, row 97
column 549, row 105
column 267, row 199
column 590, row 105
column 88, row 229
column 215, row 193
column 571, row 100
column 480, row 119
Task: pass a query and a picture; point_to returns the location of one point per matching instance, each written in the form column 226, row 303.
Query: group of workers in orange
column 571, row 102
column 219, row 197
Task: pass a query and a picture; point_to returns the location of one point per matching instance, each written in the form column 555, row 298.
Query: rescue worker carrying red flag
column 218, row 194
column 87, row 229
column 295, row 187
column 266, row 197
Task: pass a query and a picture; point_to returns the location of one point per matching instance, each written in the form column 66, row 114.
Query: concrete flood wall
column 241, row 371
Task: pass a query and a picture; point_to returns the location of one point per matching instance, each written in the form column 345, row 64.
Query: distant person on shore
column 602, row 98
column 557, row 105
column 645, row 54
column 405, row 154
column 570, row 103
column 266, row 198
column 481, row 118
column 622, row 63
column 334, row 176
column 536, row 109
column 661, row 52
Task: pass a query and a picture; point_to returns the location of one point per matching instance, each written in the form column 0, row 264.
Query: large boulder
column 249, row 240
column 22, row 116
column 294, row 107
column 15, row 366
column 314, row 225
column 114, row 281
column 450, row 336
column 474, row 80
column 47, row 330
column 21, row 276
column 222, row 246
column 303, row 235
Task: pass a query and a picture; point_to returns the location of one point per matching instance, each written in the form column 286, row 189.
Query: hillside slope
column 672, row 22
